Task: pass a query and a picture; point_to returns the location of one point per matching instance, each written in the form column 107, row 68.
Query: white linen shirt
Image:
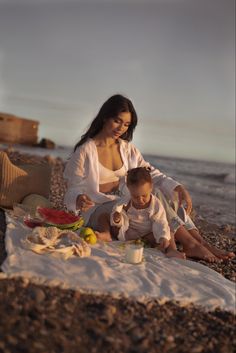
column 156, row 215
column 82, row 175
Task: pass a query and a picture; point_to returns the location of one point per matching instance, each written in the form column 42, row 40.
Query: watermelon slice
column 33, row 222
column 60, row 218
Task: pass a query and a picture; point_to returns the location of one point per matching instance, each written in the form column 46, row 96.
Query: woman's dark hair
column 111, row 109
column 137, row 176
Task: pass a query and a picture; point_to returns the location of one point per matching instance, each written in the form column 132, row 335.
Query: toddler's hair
column 139, row 175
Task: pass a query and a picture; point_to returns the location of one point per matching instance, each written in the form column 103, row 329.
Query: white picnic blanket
column 105, row 271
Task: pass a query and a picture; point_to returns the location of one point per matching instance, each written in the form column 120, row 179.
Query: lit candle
column 133, row 253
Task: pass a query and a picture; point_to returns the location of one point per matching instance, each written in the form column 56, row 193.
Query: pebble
column 37, row 313
column 25, row 282
column 39, row 345
column 43, row 332
column 2, row 345
column 90, row 334
column 170, row 339
column 197, row 349
column 226, row 228
column 137, row 334
column 23, row 335
column 69, row 307
column 77, row 295
column 50, row 159
column 145, row 345
column 37, row 294
column 149, row 306
column 11, row 339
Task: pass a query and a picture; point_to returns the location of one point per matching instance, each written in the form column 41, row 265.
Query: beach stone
column 77, row 295
column 23, row 336
column 46, row 143
column 197, row 349
column 39, row 345
column 25, row 282
column 170, row 339
column 53, row 304
column 50, row 159
column 137, row 334
column 2, row 345
column 7, row 351
column 226, row 228
column 66, row 325
column 37, row 294
column 69, row 307
column 51, row 323
column 149, row 306
column 110, row 311
column 145, row 344
column 111, row 339
column 33, row 314
column 43, row 332
column 76, row 331
column 12, row 340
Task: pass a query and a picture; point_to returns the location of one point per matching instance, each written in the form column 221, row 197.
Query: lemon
column 91, row 239
column 88, row 235
column 86, row 231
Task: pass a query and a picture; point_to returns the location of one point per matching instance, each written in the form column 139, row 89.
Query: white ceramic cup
column 133, row 253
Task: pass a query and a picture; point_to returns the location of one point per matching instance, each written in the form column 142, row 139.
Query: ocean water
column 210, row 184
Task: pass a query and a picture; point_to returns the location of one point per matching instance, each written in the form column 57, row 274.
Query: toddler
column 140, row 216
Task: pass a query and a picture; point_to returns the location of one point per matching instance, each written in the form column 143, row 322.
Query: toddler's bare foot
column 198, row 251
column 175, row 253
column 105, row 236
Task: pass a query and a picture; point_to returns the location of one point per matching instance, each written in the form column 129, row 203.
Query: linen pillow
column 16, row 182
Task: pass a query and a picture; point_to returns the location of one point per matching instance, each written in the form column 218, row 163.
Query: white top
column 82, row 175
column 142, row 221
column 108, row 176
column 139, row 220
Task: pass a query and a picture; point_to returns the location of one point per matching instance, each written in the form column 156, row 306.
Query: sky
column 175, row 59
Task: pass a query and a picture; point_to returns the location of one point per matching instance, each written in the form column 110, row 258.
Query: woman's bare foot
column 198, row 251
column 221, row 254
column 105, row 236
column 176, row 254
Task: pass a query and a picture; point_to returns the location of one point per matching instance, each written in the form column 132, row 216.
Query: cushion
column 16, row 182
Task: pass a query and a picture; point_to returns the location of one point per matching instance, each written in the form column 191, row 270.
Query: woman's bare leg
column 222, row 254
column 192, row 247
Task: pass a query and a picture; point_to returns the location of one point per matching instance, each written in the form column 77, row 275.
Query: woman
column 96, row 171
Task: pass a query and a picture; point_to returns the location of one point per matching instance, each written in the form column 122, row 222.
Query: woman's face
column 116, row 127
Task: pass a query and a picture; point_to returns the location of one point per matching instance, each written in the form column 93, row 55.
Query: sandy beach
column 37, row 318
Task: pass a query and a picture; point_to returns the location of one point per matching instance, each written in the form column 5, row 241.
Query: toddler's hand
column 116, row 217
column 164, row 243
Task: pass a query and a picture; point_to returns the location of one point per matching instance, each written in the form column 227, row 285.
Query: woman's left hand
column 184, row 196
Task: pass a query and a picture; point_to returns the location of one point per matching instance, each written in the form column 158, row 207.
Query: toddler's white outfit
column 139, row 222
